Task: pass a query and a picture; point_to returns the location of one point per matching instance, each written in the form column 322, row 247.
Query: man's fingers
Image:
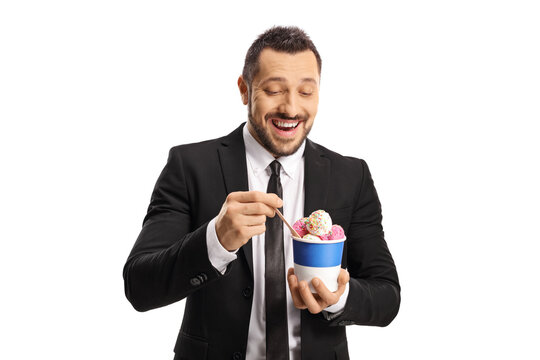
column 312, row 304
column 290, row 272
column 342, row 281
column 243, row 215
column 293, row 287
column 250, row 220
column 328, row 297
column 250, row 231
column 271, row 200
column 343, row 277
column 257, row 208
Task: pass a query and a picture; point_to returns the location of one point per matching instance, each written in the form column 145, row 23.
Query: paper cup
column 321, row 259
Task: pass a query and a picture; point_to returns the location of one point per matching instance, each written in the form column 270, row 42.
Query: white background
column 441, row 98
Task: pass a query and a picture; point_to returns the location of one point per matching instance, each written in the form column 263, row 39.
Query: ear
column 242, row 86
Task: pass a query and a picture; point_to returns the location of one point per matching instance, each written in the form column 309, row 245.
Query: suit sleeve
column 374, row 290
column 169, row 259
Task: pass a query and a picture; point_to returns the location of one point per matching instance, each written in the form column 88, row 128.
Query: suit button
column 237, row 356
column 247, row 292
column 195, row 281
column 204, row 276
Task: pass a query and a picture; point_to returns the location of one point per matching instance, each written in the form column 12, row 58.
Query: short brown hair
column 289, row 39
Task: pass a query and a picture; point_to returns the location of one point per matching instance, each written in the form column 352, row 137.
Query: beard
column 265, row 138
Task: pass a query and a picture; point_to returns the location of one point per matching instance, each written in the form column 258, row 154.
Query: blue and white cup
column 321, row 259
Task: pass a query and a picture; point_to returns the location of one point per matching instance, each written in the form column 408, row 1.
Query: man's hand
column 243, row 215
column 303, row 298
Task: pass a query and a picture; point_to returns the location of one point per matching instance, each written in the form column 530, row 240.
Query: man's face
column 283, row 100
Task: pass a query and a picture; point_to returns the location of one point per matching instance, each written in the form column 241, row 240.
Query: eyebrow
column 281, row 79
column 311, row 80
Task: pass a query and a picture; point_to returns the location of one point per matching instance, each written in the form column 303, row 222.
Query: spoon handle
column 295, row 234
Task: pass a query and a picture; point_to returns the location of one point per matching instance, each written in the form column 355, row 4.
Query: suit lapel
column 232, row 157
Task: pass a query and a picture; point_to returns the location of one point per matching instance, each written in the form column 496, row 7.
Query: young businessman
column 210, row 234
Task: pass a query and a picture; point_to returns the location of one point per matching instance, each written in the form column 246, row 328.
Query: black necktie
column 277, row 339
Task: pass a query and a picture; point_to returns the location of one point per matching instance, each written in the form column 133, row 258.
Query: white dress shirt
column 292, row 180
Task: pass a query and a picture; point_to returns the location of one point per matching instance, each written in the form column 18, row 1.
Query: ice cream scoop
column 319, row 223
column 311, row 237
column 336, row 233
column 300, row 226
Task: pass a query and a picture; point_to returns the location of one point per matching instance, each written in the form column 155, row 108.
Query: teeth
column 286, row 124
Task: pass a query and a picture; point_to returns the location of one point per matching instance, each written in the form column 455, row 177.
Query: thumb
column 344, row 277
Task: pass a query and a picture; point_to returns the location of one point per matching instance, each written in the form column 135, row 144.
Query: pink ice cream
column 336, row 233
column 326, row 236
column 300, row 227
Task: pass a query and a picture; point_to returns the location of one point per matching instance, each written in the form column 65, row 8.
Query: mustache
column 283, row 116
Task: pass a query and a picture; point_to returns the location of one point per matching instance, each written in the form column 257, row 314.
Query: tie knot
column 275, row 166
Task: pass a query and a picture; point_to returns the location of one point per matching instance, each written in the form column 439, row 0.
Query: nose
column 289, row 105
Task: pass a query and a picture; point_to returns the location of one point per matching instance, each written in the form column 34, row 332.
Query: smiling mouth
column 285, row 125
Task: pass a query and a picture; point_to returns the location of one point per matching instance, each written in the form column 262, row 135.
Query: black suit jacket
column 169, row 260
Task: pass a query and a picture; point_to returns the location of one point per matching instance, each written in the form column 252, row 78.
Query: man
column 210, row 234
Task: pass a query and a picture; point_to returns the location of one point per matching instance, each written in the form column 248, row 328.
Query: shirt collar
column 259, row 158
